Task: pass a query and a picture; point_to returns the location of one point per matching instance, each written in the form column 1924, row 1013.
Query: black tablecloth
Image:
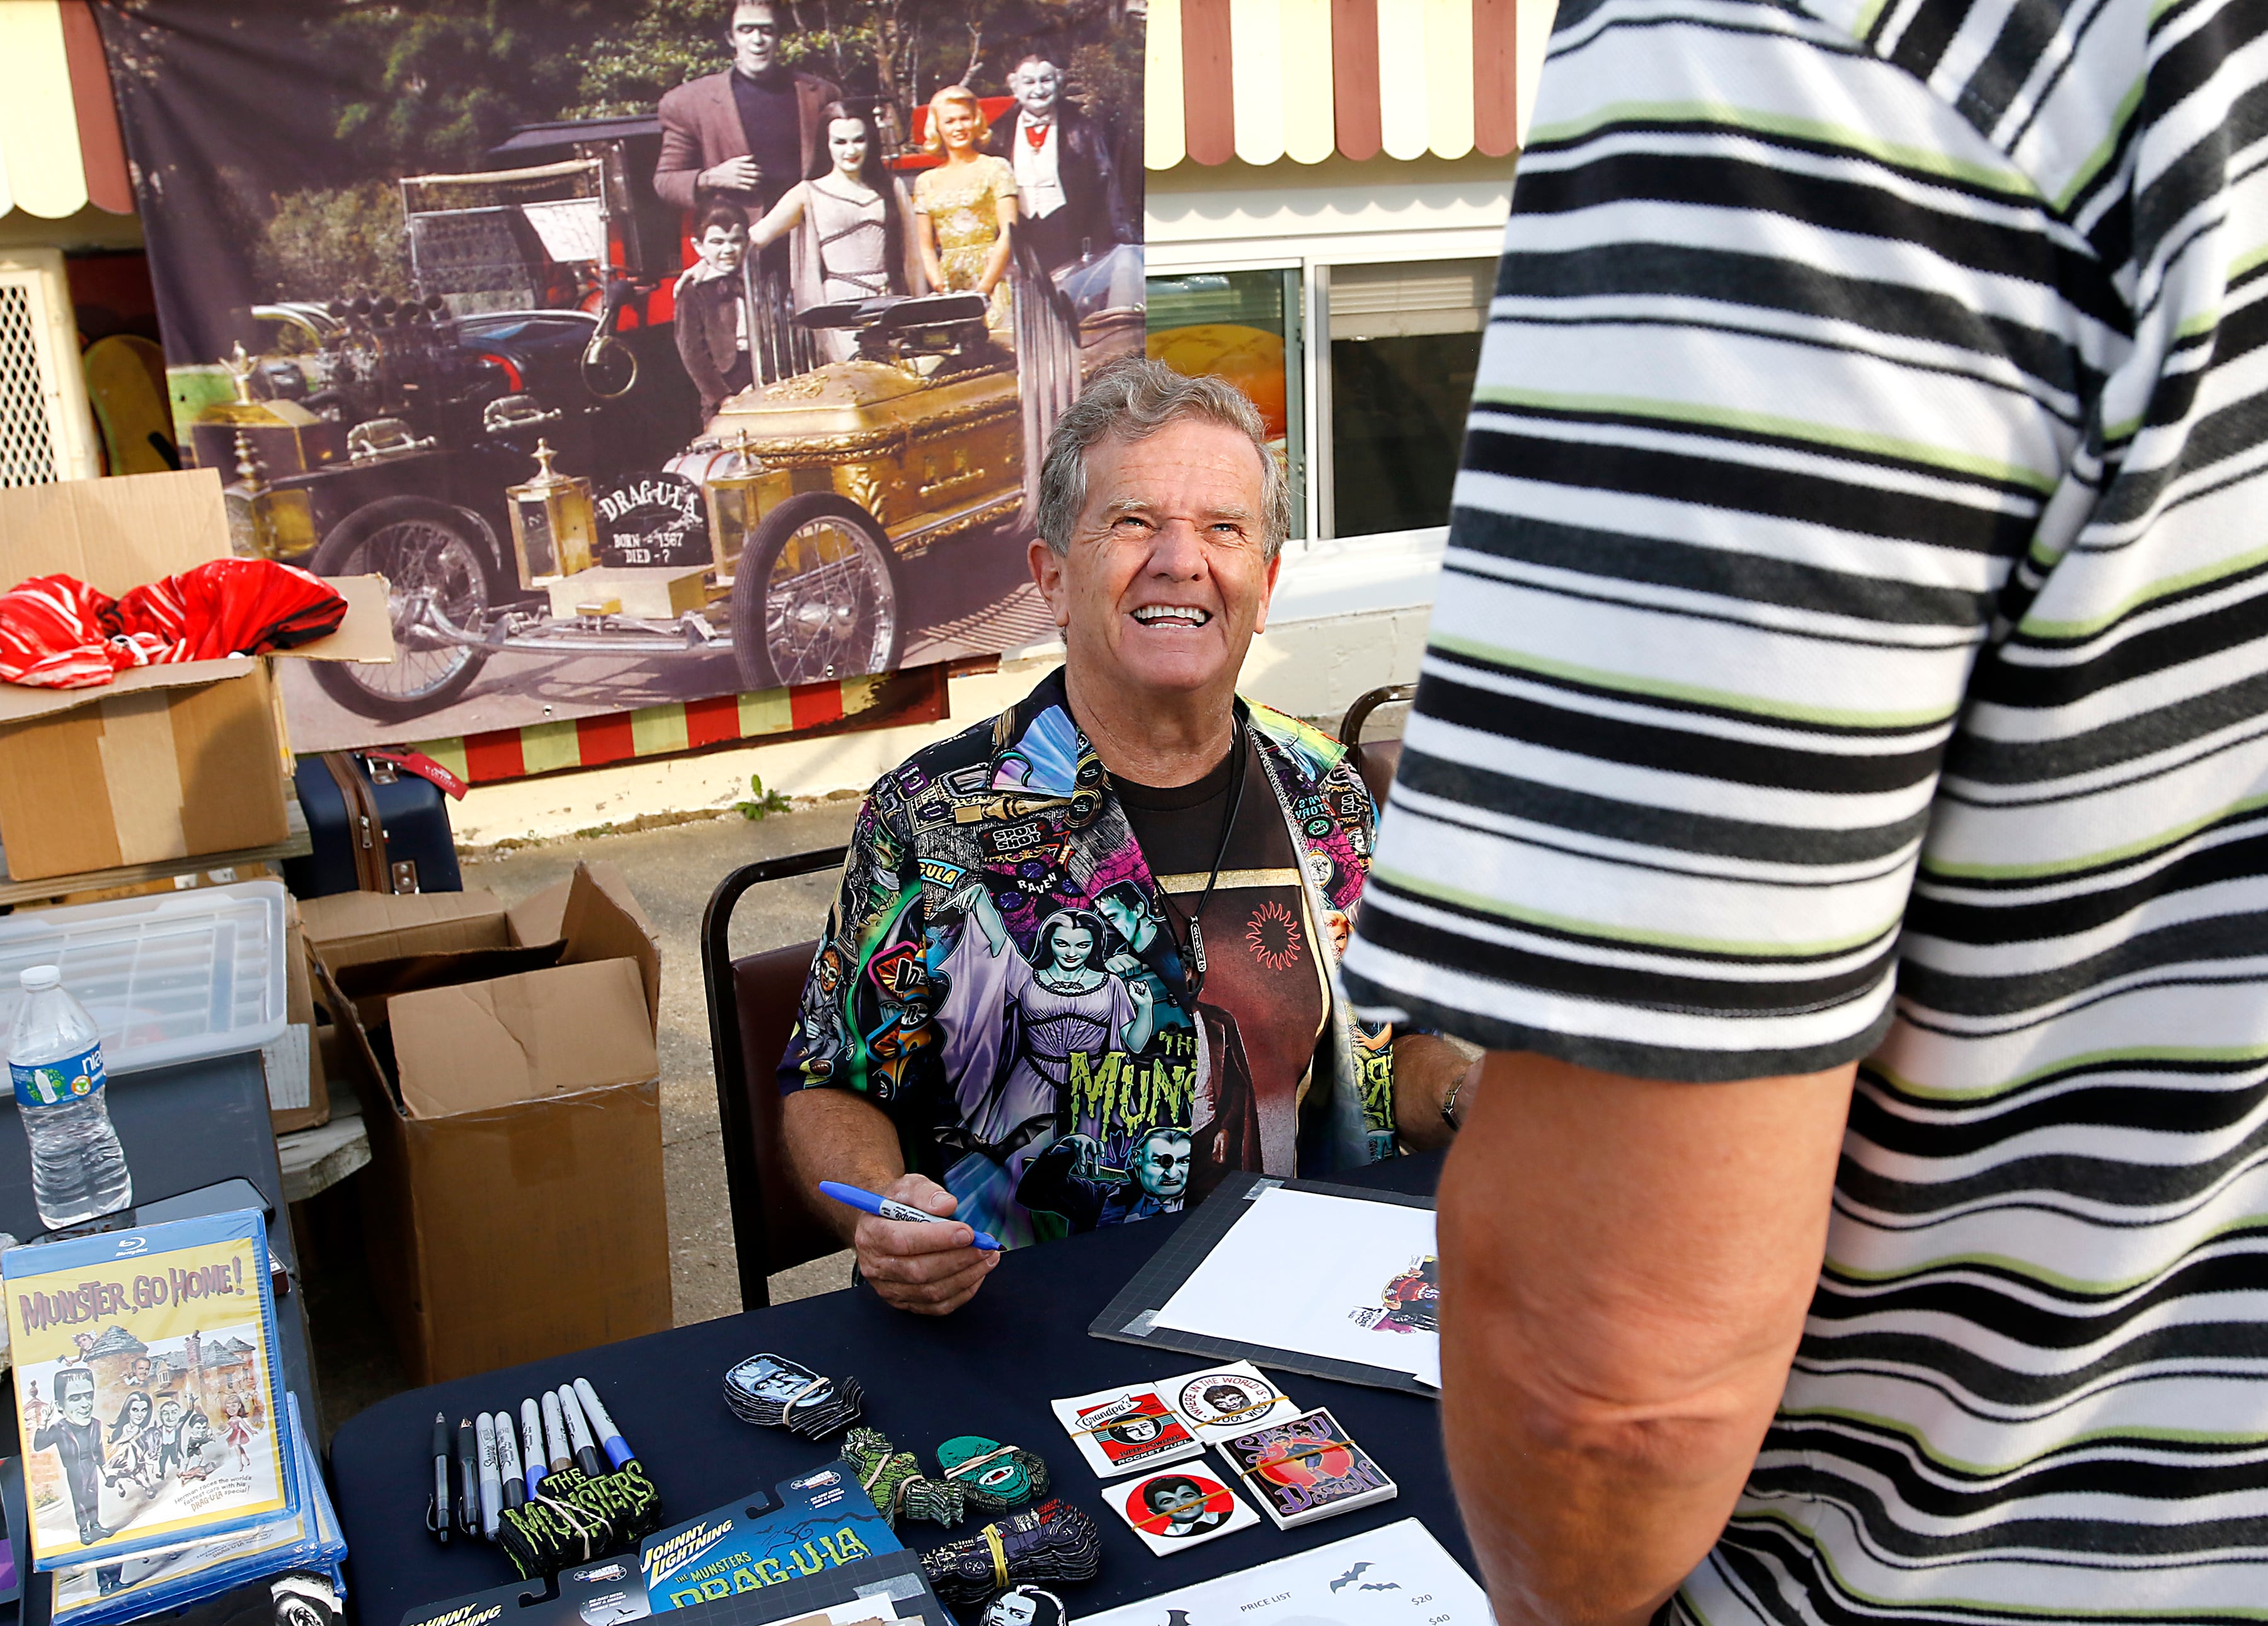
column 989, row 1369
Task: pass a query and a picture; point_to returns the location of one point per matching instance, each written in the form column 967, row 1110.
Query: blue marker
column 610, row 1438
column 884, row 1207
column 531, row 1432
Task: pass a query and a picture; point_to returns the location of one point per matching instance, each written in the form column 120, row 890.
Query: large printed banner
column 652, row 349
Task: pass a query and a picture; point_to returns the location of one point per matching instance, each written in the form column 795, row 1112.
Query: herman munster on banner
column 652, row 349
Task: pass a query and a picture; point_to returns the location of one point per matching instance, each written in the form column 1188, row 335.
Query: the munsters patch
column 822, row 1520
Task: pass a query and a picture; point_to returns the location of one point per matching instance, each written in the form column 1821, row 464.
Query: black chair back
column 752, row 1010
column 1375, row 761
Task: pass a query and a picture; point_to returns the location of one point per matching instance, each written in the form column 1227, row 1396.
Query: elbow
column 1609, row 1439
column 1617, row 1423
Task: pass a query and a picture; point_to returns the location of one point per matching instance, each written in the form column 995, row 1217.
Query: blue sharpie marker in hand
column 886, row 1208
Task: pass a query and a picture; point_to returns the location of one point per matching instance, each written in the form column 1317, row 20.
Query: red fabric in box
column 57, row 632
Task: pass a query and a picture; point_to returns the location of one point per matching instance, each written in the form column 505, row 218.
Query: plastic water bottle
column 54, row 1057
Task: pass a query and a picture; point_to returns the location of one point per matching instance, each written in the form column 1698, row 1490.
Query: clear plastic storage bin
column 170, row 977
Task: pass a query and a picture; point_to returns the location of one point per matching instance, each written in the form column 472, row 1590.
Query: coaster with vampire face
column 1179, row 1509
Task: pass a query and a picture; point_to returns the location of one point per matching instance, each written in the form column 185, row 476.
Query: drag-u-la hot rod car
column 499, row 466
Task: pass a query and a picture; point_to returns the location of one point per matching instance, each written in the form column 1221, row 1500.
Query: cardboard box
column 298, row 1097
column 360, row 928
column 513, row 1209
column 164, row 762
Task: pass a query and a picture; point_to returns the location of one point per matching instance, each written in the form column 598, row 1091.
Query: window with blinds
column 1405, row 301
column 1405, row 345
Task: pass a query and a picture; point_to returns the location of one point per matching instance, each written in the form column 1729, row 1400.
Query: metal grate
column 27, row 447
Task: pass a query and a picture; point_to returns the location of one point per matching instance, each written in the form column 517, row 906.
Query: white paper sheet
column 1312, row 1273
column 1398, row 1575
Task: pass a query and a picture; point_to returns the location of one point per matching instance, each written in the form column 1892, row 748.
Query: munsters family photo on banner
column 651, row 349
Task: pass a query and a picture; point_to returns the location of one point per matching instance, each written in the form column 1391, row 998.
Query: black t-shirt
column 1262, row 974
column 773, row 125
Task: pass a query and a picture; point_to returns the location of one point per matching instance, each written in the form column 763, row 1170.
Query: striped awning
column 60, row 149
column 1263, row 80
column 1258, row 80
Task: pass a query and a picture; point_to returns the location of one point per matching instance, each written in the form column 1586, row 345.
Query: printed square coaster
column 1306, row 1469
column 1118, row 1431
column 1223, row 1402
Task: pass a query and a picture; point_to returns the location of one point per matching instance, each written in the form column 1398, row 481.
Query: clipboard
column 1132, row 1316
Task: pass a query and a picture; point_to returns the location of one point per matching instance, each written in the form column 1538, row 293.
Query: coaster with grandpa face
column 1118, row 1431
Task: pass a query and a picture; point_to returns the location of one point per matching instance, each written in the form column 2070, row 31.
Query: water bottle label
column 51, row 1084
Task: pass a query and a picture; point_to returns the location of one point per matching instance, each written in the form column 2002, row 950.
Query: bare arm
column 1625, row 1270
column 914, row 269
column 996, row 258
column 928, row 1270
column 1425, row 1069
column 925, row 236
column 779, row 220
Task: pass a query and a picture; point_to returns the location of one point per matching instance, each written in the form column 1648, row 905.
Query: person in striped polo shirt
column 1838, row 793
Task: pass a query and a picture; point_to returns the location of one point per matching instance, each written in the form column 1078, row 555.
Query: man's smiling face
column 1166, row 577
column 1038, row 86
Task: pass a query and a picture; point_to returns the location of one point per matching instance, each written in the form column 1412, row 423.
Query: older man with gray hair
column 1081, row 964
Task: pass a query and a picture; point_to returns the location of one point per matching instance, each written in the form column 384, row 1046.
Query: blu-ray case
column 147, row 1393
column 152, row 1582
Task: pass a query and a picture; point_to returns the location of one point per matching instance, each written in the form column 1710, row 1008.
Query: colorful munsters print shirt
column 976, row 981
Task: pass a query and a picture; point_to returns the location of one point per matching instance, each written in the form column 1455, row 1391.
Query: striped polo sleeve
column 1785, row 373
